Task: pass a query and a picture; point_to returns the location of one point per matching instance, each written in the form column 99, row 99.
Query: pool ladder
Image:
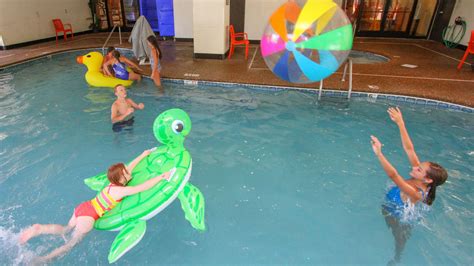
column 110, row 35
column 347, row 63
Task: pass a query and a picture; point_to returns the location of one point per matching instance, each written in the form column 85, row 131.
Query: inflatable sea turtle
column 130, row 215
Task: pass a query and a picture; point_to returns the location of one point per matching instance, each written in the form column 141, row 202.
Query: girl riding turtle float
column 86, row 213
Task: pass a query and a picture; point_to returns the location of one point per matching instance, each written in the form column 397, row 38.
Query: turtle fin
column 97, row 182
column 192, row 203
column 128, row 237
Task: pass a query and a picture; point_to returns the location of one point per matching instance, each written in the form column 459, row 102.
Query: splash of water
column 11, row 252
column 414, row 213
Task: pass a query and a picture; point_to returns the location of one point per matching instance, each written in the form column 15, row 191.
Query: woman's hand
column 376, row 145
column 141, row 106
column 148, row 152
column 169, row 174
column 396, row 115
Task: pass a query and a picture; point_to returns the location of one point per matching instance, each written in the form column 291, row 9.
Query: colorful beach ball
column 306, row 41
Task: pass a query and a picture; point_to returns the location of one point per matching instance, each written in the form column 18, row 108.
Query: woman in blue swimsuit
column 421, row 187
column 120, row 68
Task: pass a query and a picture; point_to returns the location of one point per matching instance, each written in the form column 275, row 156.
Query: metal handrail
column 110, row 34
column 349, row 92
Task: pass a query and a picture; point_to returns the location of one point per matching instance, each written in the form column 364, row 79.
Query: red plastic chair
column 59, row 27
column 469, row 50
column 239, row 38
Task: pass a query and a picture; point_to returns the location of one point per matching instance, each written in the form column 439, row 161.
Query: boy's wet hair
column 115, row 173
column 110, row 49
column 116, row 87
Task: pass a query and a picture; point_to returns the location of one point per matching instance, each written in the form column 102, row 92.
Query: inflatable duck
column 94, row 77
column 130, row 215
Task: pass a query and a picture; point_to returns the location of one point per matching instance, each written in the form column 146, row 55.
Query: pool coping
column 328, row 92
column 373, row 97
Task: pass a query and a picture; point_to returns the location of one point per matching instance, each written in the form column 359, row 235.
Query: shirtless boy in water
column 123, row 107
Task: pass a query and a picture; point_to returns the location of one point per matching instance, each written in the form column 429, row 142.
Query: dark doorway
column 391, row 18
column 386, row 17
column 441, row 20
column 237, row 14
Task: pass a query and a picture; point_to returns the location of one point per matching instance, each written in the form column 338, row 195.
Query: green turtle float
column 129, row 216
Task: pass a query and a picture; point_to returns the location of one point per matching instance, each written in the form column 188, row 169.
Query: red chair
column 239, row 38
column 469, row 50
column 59, row 27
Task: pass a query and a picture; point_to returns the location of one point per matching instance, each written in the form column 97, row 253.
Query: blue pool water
column 287, row 180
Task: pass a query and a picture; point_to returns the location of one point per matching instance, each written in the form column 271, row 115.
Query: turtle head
column 171, row 127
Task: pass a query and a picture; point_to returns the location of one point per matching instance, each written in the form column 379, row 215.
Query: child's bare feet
column 29, row 233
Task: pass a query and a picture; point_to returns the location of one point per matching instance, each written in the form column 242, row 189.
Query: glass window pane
column 131, row 12
column 371, row 15
column 422, row 18
column 115, row 12
column 398, row 15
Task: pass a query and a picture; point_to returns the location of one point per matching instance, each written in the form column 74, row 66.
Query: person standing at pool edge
column 155, row 59
column 123, row 108
column 86, row 213
column 426, row 177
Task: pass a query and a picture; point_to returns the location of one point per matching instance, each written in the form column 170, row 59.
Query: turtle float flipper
column 128, row 237
column 192, row 203
column 97, row 182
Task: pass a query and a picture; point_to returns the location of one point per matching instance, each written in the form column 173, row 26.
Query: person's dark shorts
column 119, row 126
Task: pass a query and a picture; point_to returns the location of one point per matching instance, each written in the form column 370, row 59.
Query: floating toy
column 306, row 44
column 130, row 215
column 94, row 77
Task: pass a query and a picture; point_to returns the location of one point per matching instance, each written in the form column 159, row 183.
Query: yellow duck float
column 94, row 77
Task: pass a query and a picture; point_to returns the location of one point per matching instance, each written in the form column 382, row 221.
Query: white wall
column 210, row 23
column 183, row 18
column 464, row 9
column 257, row 13
column 29, row 20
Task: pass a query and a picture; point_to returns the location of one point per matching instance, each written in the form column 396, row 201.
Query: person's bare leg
column 41, row 229
column 84, row 224
column 134, row 76
column 156, row 78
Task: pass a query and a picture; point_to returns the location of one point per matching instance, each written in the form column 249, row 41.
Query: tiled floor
column 435, row 76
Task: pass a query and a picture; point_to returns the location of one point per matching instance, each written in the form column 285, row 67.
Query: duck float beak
column 79, row 59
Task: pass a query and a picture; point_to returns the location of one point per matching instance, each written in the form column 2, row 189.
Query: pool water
column 287, row 179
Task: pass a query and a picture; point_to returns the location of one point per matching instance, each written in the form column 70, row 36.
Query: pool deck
column 435, row 76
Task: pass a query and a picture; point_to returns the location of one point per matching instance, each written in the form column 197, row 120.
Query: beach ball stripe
column 277, row 20
column 281, row 68
column 306, row 44
column 310, row 13
column 338, row 39
column 271, row 44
